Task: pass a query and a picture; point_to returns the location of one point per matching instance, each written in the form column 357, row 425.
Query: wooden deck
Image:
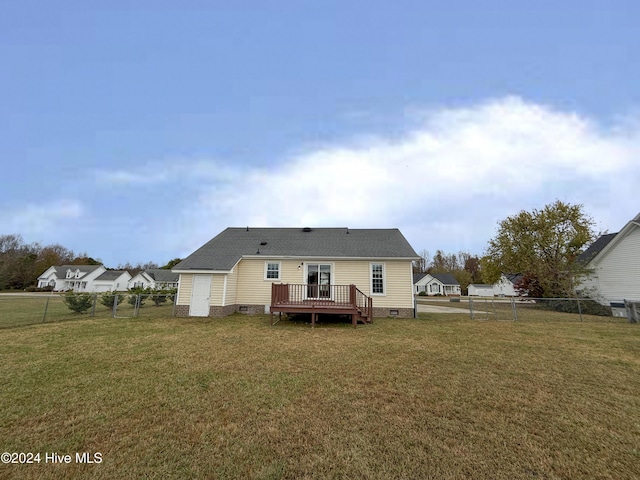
column 326, row 299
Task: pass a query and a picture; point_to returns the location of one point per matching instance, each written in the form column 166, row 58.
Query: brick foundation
column 217, row 311
column 250, row 309
column 384, row 312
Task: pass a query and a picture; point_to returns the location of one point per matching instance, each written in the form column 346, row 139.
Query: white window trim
column 266, row 266
column 384, row 279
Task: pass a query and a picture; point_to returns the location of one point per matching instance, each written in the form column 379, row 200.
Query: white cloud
column 445, row 183
column 41, row 218
column 169, row 171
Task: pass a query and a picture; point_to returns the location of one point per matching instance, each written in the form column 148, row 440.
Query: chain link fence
column 523, row 309
column 31, row 308
column 28, row 309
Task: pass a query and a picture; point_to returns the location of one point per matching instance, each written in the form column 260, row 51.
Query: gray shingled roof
column 418, row 276
column 73, row 268
column 162, row 275
column 445, row 278
column 224, row 251
column 595, row 248
column 514, row 278
column 110, row 275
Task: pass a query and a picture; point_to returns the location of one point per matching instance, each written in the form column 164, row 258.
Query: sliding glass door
column 318, row 280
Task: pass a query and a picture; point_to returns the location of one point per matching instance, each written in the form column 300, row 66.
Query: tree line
column 543, row 245
column 464, row 266
column 22, row 263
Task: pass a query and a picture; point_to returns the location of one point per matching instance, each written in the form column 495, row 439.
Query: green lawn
column 18, row 310
column 435, row 397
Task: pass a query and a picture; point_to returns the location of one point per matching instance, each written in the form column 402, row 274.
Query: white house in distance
column 506, row 286
column 614, row 260
column 436, row 284
column 112, row 281
column 155, row 278
column 359, row 272
column 83, row 278
column 480, row 290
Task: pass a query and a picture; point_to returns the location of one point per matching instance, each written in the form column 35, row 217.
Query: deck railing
column 290, row 294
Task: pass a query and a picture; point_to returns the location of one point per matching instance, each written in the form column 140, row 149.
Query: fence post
column 45, row 310
column 514, row 309
column 632, row 312
column 579, row 309
column 471, row 308
column 173, row 309
column 95, row 300
column 135, row 305
column 115, row 305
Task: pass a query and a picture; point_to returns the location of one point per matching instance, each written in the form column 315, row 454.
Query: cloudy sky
column 138, row 130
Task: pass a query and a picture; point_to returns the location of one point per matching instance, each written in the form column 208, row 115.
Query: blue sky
column 136, row 131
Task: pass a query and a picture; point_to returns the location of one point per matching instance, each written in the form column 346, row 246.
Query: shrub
column 133, row 299
column 158, row 297
column 422, row 294
column 108, row 299
column 587, row 306
column 78, row 302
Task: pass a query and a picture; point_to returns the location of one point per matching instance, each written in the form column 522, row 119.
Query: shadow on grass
column 322, row 320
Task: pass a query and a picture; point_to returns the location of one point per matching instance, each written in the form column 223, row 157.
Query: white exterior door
column 200, row 296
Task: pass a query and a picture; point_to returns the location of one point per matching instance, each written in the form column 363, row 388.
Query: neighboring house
column 480, row 290
column 78, row 278
column 614, row 261
column 419, row 282
column 507, row 285
column 112, row 281
column 155, row 278
column 436, row 284
column 83, row 278
column 244, row 269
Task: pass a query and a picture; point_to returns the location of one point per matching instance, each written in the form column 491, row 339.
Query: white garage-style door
column 200, row 296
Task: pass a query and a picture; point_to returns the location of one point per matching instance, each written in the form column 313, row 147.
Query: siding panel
column 184, row 288
column 232, row 284
column 254, row 290
column 618, row 273
column 217, row 286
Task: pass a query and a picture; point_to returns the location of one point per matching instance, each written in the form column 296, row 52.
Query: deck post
column 354, row 320
column 352, row 296
column 370, row 308
column 313, row 319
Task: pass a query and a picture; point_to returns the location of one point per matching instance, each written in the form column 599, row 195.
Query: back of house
column 235, row 270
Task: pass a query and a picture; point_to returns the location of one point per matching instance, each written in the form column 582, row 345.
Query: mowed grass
column 20, row 310
column 501, row 309
column 436, row 397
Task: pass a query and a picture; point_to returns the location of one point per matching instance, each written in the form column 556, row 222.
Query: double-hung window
column 377, row 279
column 272, row 271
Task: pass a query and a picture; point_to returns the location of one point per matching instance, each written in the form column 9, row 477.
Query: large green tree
column 543, row 246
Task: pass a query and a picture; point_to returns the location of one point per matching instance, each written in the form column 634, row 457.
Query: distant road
column 29, row 294
column 440, row 309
